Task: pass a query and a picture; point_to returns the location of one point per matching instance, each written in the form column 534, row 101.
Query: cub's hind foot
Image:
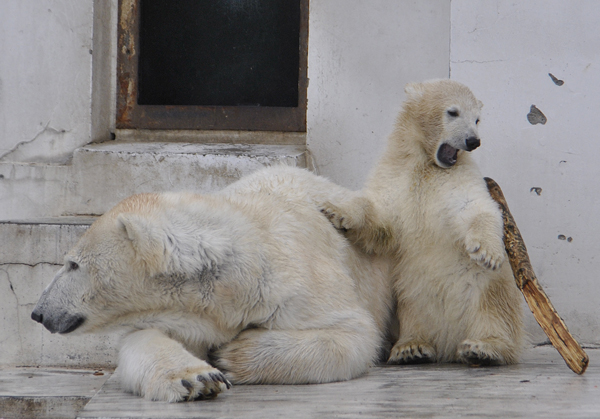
column 478, row 353
column 413, row 352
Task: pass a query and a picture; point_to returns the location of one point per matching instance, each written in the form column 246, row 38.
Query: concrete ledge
column 100, row 175
column 47, row 393
column 107, row 173
column 212, row 136
column 66, row 221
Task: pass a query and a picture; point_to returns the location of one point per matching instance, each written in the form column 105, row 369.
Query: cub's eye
column 73, row 266
column 453, row 113
column 477, row 122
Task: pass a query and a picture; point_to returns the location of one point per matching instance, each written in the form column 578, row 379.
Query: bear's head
column 447, row 115
column 103, row 270
column 132, row 263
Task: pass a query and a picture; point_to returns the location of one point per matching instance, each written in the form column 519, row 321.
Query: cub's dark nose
column 38, row 317
column 473, row 143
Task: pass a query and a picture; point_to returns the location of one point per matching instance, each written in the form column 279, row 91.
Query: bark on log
column 536, row 298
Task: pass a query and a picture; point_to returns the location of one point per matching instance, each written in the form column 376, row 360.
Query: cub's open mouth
column 447, row 155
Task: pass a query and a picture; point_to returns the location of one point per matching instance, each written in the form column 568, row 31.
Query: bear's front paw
column 337, row 217
column 478, row 353
column 489, row 254
column 413, row 352
column 187, row 384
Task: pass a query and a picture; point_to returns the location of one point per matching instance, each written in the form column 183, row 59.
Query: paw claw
column 187, row 384
column 216, row 377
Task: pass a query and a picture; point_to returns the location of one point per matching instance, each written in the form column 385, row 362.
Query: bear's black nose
column 38, row 317
column 473, row 143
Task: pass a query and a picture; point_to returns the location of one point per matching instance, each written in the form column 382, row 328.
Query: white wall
column 361, row 54
column 504, row 51
column 45, row 78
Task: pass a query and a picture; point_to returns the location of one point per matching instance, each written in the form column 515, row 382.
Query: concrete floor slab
column 47, row 392
column 541, row 386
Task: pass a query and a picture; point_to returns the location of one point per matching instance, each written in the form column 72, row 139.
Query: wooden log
column 536, row 298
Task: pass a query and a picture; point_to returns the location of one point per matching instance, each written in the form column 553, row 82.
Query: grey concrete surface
column 47, row 392
column 541, row 386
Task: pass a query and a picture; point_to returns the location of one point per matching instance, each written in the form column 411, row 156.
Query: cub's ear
column 147, row 239
column 413, row 90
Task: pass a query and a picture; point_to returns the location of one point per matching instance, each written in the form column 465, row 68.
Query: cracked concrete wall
column 536, row 67
column 30, row 256
column 45, row 79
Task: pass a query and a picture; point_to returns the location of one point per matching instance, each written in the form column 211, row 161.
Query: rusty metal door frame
column 131, row 115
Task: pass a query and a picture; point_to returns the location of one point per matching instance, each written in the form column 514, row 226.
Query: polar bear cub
column 254, row 276
column 427, row 207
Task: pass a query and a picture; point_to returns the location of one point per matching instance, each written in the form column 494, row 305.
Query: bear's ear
column 145, row 236
column 413, row 90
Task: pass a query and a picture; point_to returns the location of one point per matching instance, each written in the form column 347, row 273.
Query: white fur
column 254, row 275
column 443, row 233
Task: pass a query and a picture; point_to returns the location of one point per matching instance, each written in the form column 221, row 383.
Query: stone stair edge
column 83, row 220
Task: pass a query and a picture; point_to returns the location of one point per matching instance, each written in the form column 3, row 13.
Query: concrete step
column 47, row 392
column 100, row 175
column 112, row 171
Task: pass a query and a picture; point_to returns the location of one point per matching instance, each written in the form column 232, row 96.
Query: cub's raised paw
column 337, row 217
column 489, row 254
column 411, row 353
column 187, row 384
column 478, row 353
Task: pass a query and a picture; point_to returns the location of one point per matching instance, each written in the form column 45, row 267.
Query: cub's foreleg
column 478, row 222
column 359, row 219
column 156, row 367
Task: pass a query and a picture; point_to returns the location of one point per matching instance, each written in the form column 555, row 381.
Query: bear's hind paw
column 478, row 354
column 411, row 353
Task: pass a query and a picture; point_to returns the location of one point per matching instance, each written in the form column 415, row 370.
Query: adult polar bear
column 426, row 205
column 254, row 273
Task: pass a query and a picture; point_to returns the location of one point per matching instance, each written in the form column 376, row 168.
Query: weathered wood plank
column 536, row 298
